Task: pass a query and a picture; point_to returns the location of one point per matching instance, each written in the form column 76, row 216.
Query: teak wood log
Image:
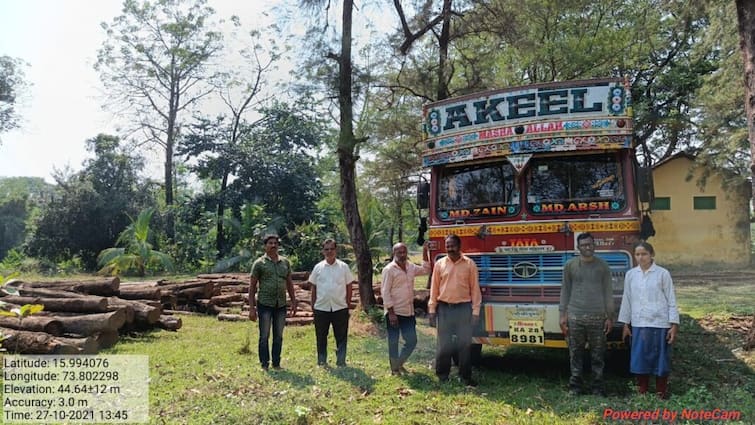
column 106, row 339
column 750, row 339
column 183, row 313
column 232, row 317
column 49, row 293
column 299, row 321
column 132, row 292
column 243, row 277
column 90, row 324
column 86, row 304
column 46, row 324
column 104, row 287
column 143, row 313
column 225, row 299
column 86, row 345
column 175, row 287
column 130, row 315
column 26, row 342
column 170, row 323
column 194, row 293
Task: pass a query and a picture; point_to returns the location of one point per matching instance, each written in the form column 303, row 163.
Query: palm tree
column 136, row 252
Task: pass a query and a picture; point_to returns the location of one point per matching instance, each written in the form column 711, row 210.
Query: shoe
column 322, row 364
column 341, row 364
column 265, row 367
column 277, row 367
column 443, row 378
column 470, row 382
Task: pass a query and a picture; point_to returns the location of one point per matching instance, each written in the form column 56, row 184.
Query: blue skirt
column 651, row 354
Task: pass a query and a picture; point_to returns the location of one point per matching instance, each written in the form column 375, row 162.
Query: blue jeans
column 275, row 318
column 406, row 328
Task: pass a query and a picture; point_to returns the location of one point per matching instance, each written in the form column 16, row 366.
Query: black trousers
column 454, row 319
column 340, row 321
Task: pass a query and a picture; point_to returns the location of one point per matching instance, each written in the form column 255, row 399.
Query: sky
column 61, row 109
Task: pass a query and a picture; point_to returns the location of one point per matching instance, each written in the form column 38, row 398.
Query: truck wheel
column 475, row 354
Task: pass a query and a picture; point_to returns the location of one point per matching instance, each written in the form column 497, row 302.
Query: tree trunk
column 746, row 18
column 86, row 304
column 90, row 324
column 227, row 317
column 169, row 144
column 139, row 292
column 107, row 339
column 219, row 237
column 225, row 299
column 143, row 313
column 87, row 345
column 50, row 293
column 443, row 41
column 24, row 342
column 46, row 324
column 347, row 144
column 171, row 323
column 104, row 287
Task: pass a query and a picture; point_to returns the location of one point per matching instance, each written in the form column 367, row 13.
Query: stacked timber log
column 229, row 298
column 226, row 295
column 79, row 317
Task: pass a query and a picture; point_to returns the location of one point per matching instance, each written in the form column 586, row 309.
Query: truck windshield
column 481, row 190
column 575, row 184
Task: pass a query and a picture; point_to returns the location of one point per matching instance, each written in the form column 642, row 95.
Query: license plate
column 526, row 332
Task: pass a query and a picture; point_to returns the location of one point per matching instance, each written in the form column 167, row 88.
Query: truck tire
column 475, row 354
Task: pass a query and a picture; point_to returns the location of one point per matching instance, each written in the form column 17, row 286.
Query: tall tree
column 267, row 159
column 719, row 110
column 12, row 83
column 90, row 208
column 154, row 64
column 499, row 43
column 240, row 94
column 346, row 150
column 746, row 20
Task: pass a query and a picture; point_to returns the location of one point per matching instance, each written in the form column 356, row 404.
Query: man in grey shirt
column 586, row 311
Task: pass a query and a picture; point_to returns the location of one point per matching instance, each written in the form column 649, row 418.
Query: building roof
column 677, row 155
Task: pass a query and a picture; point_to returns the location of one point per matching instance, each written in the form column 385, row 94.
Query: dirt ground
column 739, row 326
column 698, row 277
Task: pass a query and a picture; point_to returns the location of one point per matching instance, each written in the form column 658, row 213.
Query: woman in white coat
column 651, row 319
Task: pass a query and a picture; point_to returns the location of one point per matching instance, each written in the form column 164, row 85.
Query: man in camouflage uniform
column 586, row 311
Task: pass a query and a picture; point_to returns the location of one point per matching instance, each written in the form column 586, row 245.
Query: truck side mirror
column 423, row 195
column 645, row 184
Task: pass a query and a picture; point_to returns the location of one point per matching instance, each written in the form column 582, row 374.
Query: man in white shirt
column 397, row 290
column 331, row 281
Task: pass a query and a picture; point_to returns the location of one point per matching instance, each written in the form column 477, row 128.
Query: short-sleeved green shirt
column 271, row 280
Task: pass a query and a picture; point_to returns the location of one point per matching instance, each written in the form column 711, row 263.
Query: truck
column 518, row 173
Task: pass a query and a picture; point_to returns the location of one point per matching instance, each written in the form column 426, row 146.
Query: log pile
column 226, row 295
column 79, row 317
column 85, row 316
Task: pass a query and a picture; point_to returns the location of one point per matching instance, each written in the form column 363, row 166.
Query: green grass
column 716, row 299
column 208, row 373
column 199, row 375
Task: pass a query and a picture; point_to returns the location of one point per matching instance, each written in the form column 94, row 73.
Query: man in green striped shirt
column 272, row 274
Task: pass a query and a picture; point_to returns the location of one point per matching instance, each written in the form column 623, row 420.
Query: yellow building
column 698, row 225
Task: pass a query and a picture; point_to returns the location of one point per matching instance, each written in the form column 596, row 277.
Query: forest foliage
column 267, row 160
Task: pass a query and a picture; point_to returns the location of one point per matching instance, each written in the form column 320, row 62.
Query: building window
column 662, row 203
column 704, row 202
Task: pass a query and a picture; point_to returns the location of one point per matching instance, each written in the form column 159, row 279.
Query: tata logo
column 525, row 269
